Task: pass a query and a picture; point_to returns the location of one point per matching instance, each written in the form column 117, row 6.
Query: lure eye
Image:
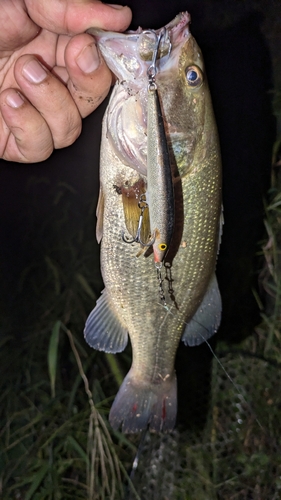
column 162, row 247
column 194, row 76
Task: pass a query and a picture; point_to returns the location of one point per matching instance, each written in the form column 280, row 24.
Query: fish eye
column 162, row 246
column 194, row 76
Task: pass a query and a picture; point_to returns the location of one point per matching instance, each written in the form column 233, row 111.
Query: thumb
column 16, row 27
column 76, row 16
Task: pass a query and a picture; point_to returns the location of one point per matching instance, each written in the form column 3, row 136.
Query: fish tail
column 139, row 405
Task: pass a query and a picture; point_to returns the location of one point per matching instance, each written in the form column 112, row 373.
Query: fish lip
column 181, row 20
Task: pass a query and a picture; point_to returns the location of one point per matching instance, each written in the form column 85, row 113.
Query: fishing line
column 232, row 381
column 221, row 366
column 136, row 463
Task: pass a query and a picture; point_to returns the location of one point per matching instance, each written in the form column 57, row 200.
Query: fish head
column 129, row 56
column 186, row 104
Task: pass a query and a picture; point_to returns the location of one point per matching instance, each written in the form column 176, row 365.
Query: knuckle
column 90, row 91
column 36, row 145
column 71, row 132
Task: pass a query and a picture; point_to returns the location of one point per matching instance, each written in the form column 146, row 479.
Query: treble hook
column 152, row 70
column 137, row 239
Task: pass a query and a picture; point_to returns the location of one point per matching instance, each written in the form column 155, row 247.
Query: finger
column 111, row 17
column 89, row 77
column 76, row 16
column 25, row 136
column 51, row 98
column 17, row 28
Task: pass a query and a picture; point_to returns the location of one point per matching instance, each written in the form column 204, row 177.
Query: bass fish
column 158, row 216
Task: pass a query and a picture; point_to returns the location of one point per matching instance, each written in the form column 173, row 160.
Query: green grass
column 55, row 442
column 55, row 394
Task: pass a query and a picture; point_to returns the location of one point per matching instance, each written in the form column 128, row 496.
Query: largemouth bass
column 180, row 300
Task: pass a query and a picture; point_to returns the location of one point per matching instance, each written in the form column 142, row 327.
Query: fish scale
column 131, row 301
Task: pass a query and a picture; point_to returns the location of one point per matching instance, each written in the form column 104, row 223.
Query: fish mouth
column 128, row 54
column 182, row 20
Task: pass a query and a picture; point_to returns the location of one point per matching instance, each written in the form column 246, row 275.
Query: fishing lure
column 160, row 191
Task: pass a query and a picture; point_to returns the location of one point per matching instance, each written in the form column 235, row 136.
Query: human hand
column 51, row 73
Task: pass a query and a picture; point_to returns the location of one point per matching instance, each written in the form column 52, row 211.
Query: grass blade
column 38, row 478
column 53, row 356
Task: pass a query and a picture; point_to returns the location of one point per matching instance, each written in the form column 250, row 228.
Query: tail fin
column 141, row 404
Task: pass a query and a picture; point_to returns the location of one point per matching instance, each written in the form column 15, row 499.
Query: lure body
column 159, row 179
column 130, row 302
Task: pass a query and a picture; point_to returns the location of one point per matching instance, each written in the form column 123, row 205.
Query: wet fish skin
column 130, row 301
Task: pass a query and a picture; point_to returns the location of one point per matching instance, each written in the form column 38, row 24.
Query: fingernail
column 14, row 99
column 115, row 6
column 34, row 72
column 88, row 60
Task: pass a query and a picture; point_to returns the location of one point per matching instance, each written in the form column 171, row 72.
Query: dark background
column 47, row 209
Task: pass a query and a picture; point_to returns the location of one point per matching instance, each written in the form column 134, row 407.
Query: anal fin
column 206, row 320
column 103, row 330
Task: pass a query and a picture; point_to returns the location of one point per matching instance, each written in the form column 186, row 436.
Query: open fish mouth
column 128, row 54
column 178, row 24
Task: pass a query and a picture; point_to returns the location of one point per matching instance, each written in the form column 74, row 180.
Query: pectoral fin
column 206, row 320
column 103, row 330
